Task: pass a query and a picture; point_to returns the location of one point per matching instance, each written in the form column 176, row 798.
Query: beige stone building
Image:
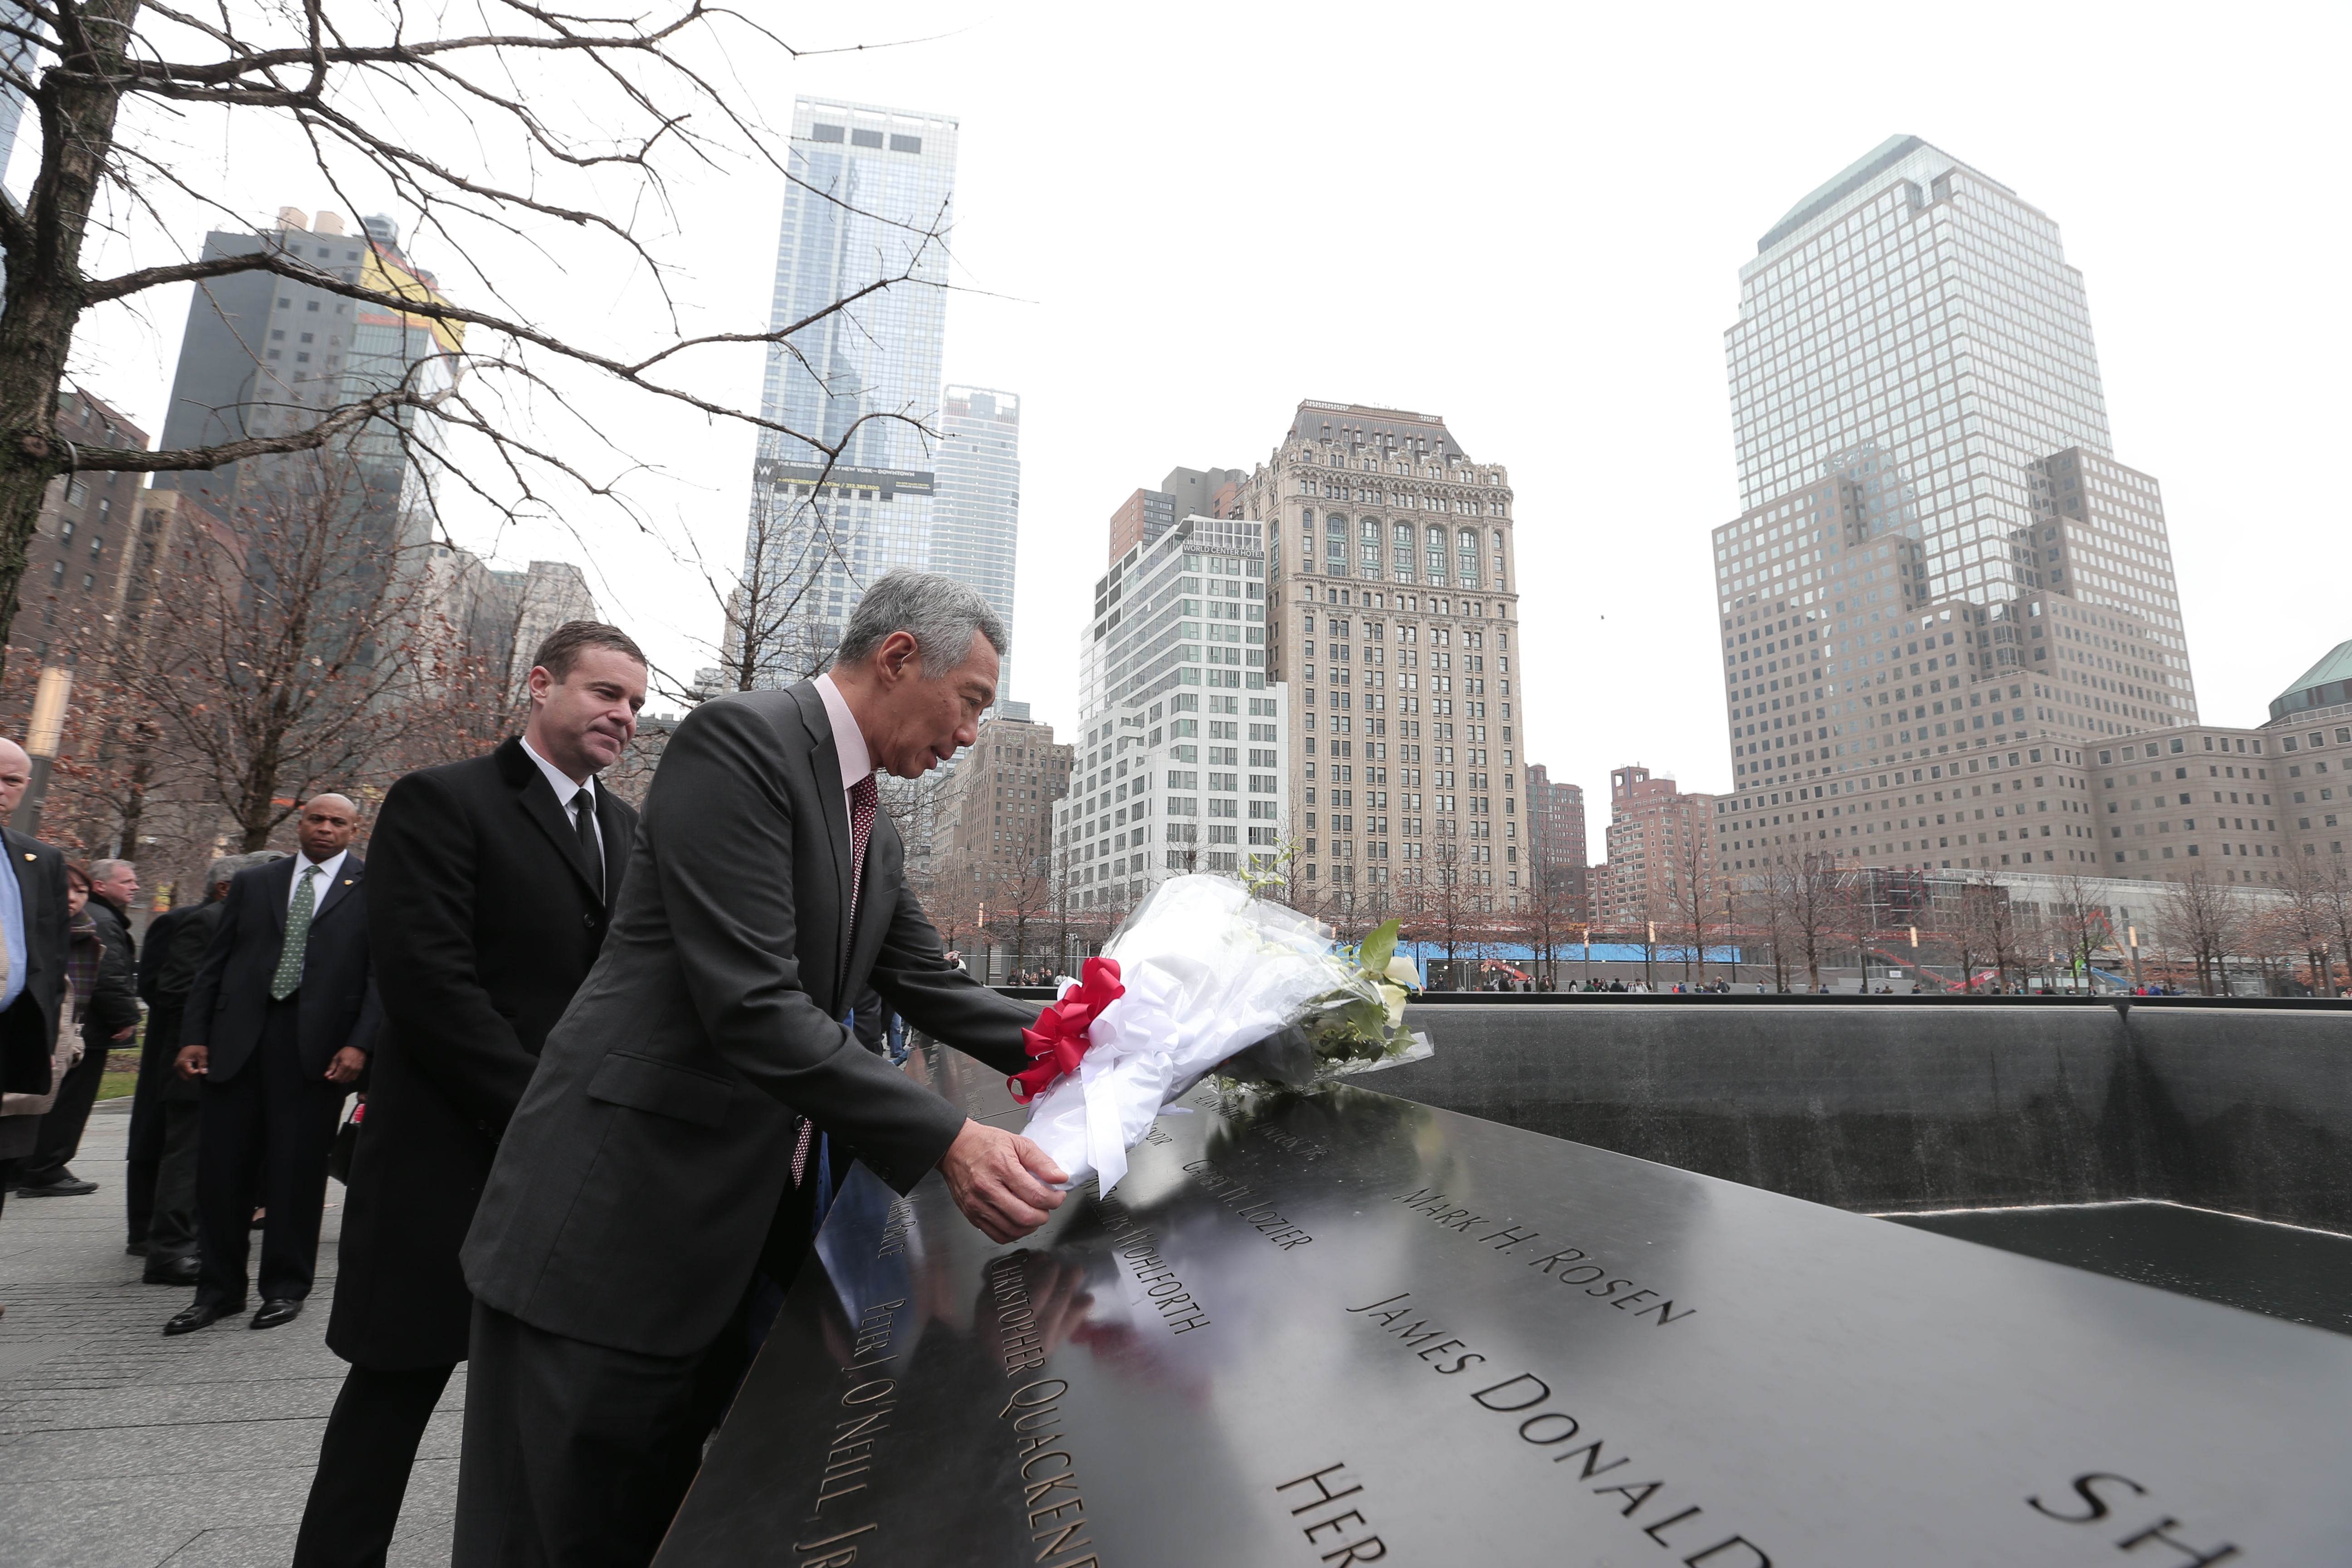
column 996, row 811
column 1392, row 609
column 1661, row 851
column 1876, row 719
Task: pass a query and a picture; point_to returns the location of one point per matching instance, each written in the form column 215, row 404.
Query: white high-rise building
column 1944, row 589
column 870, row 205
column 976, row 521
column 1179, row 766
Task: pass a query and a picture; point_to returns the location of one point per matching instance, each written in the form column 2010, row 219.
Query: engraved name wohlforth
column 1336, row 1529
column 1048, row 1475
column 1562, row 1265
column 1177, row 1306
column 1526, row 1396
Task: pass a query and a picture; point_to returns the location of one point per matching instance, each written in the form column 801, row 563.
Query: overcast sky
column 1173, row 224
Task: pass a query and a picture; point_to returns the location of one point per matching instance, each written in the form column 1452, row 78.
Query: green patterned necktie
column 289, row 978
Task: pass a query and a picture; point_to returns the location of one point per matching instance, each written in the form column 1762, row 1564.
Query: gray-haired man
column 665, row 1152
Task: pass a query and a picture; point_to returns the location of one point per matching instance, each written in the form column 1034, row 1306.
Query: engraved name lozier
column 1563, row 1266
column 1262, row 1217
column 1524, row 1396
column 1334, row 1528
column 1047, row 1473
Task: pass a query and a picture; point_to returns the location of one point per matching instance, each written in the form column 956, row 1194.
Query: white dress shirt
column 848, row 740
column 565, row 791
column 320, row 883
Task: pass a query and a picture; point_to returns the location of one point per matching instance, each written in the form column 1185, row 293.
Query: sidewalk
column 120, row 1448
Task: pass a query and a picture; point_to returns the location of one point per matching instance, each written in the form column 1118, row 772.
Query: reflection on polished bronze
column 1345, row 1329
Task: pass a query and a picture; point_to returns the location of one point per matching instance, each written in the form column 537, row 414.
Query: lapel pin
column 32, row 857
column 347, row 881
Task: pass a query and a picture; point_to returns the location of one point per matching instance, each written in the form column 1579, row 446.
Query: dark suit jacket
column 161, row 1042
column 635, row 1187
column 484, row 919
column 337, row 1003
column 28, row 1030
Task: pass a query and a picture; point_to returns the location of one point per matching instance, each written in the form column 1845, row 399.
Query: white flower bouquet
column 1204, row 978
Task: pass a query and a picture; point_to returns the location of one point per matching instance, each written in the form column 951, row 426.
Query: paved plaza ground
column 120, row 1448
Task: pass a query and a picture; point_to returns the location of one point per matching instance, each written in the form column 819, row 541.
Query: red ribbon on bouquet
column 1059, row 1040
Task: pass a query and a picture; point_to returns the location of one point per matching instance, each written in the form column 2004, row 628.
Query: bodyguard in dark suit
column 33, row 917
column 278, row 1026
column 651, row 1168
column 488, row 894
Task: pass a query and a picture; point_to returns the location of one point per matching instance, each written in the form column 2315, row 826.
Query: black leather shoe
column 63, row 1187
column 276, row 1311
column 203, row 1315
column 172, row 1271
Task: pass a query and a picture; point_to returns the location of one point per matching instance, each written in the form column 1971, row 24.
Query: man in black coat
column 488, row 898
column 167, row 1116
column 157, row 1080
column 113, row 884
column 33, row 920
column 663, row 1154
column 277, row 1028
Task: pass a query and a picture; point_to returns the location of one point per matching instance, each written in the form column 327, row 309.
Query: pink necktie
column 862, row 796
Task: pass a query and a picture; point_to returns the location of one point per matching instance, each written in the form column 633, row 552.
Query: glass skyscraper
column 870, row 205
column 977, row 503
column 1942, row 573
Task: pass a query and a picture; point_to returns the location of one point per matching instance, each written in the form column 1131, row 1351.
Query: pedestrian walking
column 102, row 959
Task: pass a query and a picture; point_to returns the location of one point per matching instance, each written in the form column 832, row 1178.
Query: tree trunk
column 45, row 291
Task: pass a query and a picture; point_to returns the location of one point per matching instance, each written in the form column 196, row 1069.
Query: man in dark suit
column 171, row 1105
column 277, row 1028
column 33, row 919
column 156, row 1081
column 490, row 885
column 663, row 1154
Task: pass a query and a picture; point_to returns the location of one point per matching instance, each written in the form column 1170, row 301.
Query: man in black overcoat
column 666, row 1151
column 33, row 920
column 487, row 898
column 277, row 1028
column 144, row 1156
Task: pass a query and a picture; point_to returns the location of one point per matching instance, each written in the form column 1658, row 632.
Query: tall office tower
column 978, row 499
column 1940, row 554
column 16, row 60
column 1391, row 606
column 1556, row 845
column 1179, row 760
column 1144, row 516
column 263, row 354
column 870, row 200
column 1660, row 853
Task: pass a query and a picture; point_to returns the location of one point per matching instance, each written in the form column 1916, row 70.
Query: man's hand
column 192, row 1061
column 349, row 1063
column 999, row 1180
column 126, row 1032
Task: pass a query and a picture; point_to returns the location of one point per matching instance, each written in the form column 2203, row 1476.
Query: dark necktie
column 862, row 795
column 584, row 823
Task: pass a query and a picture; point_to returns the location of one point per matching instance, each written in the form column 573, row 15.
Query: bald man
column 277, row 1030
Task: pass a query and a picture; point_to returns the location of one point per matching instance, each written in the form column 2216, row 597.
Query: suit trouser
column 576, row 1456
column 363, row 1464
column 267, row 1134
column 171, row 1212
column 62, row 1123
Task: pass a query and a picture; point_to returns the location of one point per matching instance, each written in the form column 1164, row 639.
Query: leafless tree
column 2205, row 917
column 2307, row 920
column 292, row 651
column 572, row 123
